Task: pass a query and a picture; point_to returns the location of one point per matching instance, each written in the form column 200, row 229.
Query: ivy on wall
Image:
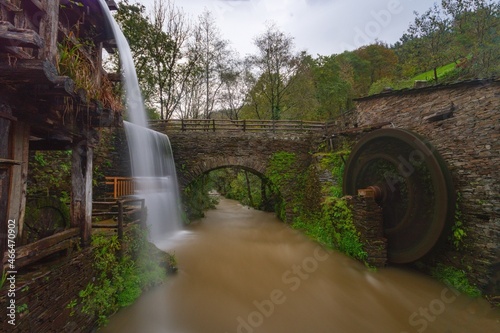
column 321, row 213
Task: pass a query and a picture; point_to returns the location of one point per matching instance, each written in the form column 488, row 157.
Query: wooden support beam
column 5, row 130
column 12, row 36
column 49, row 29
column 115, row 77
column 35, row 71
column 19, row 174
column 81, row 189
column 33, row 252
column 16, row 52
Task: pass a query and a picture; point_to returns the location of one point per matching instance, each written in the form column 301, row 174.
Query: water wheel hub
column 412, row 184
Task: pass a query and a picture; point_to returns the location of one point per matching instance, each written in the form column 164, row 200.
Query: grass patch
column 429, row 75
column 455, row 278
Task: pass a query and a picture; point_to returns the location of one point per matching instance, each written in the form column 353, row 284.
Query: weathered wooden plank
column 42, row 253
column 36, row 71
column 49, row 29
column 16, row 51
column 5, row 130
column 81, row 189
column 12, row 36
column 32, row 249
column 19, row 174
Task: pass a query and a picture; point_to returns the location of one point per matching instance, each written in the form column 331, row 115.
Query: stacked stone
column 368, row 220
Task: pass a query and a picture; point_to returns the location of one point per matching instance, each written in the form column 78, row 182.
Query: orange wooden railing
column 122, row 186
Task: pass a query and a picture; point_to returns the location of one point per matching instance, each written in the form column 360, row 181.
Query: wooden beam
column 5, row 129
column 19, row 174
column 35, row 71
column 49, row 29
column 81, row 189
column 12, row 36
column 35, row 251
column 115, row 77
column 16, row 52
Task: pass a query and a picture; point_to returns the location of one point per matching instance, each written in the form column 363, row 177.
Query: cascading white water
column 151, row 155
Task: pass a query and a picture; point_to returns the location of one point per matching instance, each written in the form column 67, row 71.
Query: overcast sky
column 321, row 27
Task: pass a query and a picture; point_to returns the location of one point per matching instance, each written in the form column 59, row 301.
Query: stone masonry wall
column 42, row 297
column 465, row 130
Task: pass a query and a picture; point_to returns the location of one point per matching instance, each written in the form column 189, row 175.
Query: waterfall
column 151, row 157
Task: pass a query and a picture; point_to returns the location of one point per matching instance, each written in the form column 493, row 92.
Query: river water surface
column 244, row 271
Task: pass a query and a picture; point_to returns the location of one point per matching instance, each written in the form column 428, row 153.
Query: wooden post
column 120, row 220
column 244, row 125
column 81, row 189
column 5, row 128
column 143, row 214
column 19, row 175
column 49, row 30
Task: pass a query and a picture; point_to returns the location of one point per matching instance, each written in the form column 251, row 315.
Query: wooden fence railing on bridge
column 246, row 125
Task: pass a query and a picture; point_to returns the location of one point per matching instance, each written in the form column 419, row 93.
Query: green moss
column 458, row 229
column 455, row 278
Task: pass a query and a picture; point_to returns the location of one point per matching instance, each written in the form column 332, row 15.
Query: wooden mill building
column 54, row 95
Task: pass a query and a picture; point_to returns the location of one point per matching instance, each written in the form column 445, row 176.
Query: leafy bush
column 122, row 272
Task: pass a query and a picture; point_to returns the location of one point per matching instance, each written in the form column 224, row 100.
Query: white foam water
column 153, row 167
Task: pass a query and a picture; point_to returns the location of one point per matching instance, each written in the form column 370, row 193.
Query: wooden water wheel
column 411, row 183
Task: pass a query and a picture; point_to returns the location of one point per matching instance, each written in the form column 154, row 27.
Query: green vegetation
column 3, row 278
column 240, row 185
column 122, row 273
column 441, row 72
column 458, row 232
column 196, row 199
column 22, row 308
column 455, row 278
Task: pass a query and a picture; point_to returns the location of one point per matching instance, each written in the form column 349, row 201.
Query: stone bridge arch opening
column 239, row 182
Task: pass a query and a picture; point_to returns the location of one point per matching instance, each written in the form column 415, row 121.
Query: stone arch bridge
column 200, row 146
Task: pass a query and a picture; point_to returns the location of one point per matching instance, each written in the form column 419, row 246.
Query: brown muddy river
column 243, row 271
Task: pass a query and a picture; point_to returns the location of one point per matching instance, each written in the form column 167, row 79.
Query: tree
column 381, row 60
column 234, row 89
column 277, row 65
column 213, row 59
column 431, row 34
column 475, row 31
column 135, row 26
column 332, row 76
column 158, row 45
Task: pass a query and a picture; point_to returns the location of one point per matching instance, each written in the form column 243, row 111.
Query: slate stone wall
column 42, row 297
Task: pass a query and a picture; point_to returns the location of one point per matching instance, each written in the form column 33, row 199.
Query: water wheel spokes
column 412, row 185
